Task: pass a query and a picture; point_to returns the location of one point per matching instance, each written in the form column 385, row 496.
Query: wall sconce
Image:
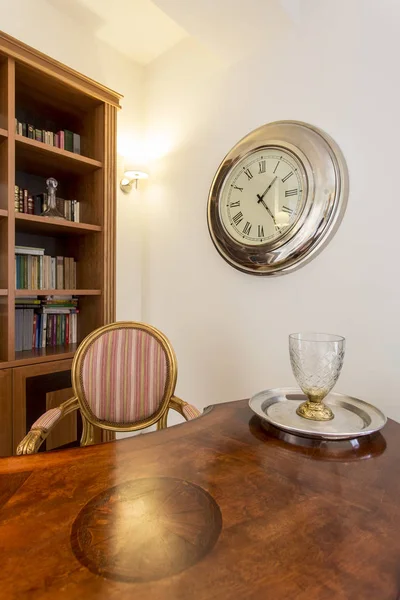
column 131, row 177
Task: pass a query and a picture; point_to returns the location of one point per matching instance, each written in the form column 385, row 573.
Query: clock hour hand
column 260, row 199
column 267, row 190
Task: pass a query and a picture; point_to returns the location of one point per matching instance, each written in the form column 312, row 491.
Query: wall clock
column 277, row 198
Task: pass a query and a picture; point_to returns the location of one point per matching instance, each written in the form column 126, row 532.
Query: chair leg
column 87, row 438
column 162, row 423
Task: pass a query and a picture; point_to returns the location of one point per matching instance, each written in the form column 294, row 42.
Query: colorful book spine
column 68, row 140
column 16, row 198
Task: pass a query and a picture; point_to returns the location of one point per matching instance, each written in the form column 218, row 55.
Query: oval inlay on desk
column 146, row 529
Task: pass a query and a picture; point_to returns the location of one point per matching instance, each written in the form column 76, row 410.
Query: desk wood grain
column 214, row 508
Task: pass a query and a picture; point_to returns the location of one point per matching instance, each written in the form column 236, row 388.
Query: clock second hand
column 269, row 212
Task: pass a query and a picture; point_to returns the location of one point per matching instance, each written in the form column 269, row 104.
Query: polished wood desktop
column 214, row 508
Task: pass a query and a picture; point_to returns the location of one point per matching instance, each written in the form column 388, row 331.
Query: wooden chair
column 123, row 377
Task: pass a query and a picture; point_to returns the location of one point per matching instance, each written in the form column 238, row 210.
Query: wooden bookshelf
column 36, row 89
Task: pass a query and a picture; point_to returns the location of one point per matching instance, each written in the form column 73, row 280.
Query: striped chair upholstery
column 190, row 412
column 48, row 420
column 123, row 376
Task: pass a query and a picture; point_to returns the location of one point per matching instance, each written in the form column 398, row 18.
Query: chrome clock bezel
column 324, row 202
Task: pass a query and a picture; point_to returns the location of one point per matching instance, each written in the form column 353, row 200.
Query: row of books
column 24, row 202
column 43, row 323
column 65, row 139
column 36, row 271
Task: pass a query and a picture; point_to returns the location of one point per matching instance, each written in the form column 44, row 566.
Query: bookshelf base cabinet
column 36, row 389
column 54, row 123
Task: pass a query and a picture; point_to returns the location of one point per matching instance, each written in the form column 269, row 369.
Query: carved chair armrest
column 188, row 411
column 43, row 426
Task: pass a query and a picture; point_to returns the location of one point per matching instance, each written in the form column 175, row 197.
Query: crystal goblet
column 316, row 360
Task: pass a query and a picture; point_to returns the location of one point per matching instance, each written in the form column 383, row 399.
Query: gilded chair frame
column 36, row 436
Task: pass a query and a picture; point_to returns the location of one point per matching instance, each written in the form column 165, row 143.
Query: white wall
column 338, row 69
column 40, row 24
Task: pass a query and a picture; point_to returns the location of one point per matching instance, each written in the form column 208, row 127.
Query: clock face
column 262, row 196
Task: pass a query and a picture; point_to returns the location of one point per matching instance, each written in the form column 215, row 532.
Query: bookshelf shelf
column 3, row 292
column 41, row 159
column 46, row 225
column 29, row 293
column 3, row 133
column 28, row 357
column 3, row 213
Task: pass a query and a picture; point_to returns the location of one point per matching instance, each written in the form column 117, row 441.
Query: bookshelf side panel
column 3, row 92
column 109, row 224
column 11, row 205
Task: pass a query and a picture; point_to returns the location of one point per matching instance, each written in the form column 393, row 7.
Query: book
column 76, row 143
column 27, row 326
column 60, row 273
column 37, row 206
column 31, row 208
column 29, row 250
column 68, row 140
column 16, row 198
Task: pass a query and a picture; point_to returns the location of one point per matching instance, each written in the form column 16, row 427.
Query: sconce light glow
column 129, row 177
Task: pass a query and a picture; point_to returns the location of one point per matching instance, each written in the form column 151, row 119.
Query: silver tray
column 353, row 417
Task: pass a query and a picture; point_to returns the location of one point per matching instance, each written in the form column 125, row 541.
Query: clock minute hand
column 267, row 190
column 260, row 199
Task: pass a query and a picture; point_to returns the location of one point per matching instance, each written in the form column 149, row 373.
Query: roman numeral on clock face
column 235, row 204
column 287, row 210
column 235, row 187
column 249, row 174
column 238, row 218
column 291, row 193
column 262, row 166
column 260, row 231
column 287, row 176
column 246, row 228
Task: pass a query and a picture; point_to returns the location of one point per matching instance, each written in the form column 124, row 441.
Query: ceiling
column 145, row 29
column 137, row 28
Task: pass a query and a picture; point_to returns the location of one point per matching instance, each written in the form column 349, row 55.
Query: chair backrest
column 124, row 375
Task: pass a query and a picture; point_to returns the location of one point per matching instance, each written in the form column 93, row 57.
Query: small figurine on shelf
column 52, row 210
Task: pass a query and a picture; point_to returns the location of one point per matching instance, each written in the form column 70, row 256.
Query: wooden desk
column 215, row 508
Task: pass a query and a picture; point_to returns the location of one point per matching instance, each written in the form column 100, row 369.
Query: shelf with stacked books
column 47, row 225
column 34, row 156
column 46, row 322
